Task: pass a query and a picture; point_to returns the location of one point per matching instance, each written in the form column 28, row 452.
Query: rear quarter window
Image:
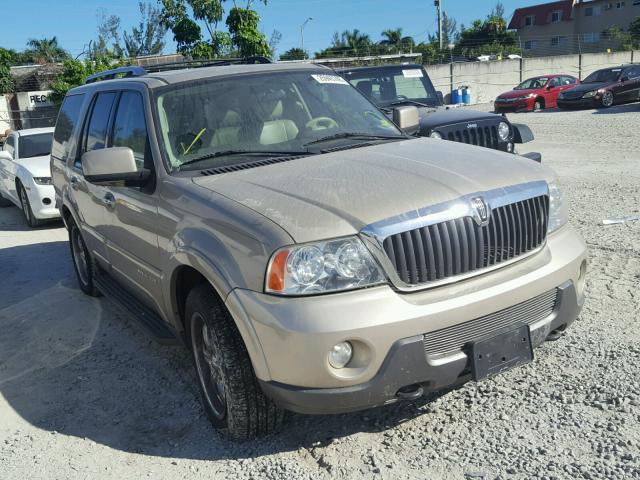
column 66, row 125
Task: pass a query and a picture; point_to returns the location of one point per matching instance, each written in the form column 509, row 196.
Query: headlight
column 590, row 94
column 436, row 135
column 558, row 210
column 42, row 180
column 322, row 267
column 503, row 131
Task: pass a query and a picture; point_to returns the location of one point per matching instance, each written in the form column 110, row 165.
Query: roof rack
column 137, row 71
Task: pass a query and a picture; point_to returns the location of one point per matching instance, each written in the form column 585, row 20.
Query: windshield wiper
column 368, row 136
column 408, row 100
column 260, row 153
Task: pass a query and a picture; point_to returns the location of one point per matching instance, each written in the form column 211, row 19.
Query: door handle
column 75, row 182
column 109, row 200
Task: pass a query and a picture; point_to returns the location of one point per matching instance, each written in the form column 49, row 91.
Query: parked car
column 311, row 255
column 535, row 94
column 604, row 88
column 391, row 86
column 25, row 174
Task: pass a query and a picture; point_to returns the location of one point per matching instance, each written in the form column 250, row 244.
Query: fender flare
column 521, row 133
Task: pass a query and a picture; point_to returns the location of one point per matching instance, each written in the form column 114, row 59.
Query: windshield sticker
column 413, row 73
column 616, row 70
column 322, row 78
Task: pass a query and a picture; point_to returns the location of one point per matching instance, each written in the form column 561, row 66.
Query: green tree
column 7, row 83
column 75, row 72
column 108, row 42
column 148, row 37
column 245, row 35
column 186, row 32
column 45, row 50
column 210, row 12
column 489, row 36
column 294, row 54
column 393, row 39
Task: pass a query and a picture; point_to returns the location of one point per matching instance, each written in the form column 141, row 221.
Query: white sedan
column 25, row 174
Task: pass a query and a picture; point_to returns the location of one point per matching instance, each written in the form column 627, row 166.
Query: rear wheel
column 32, row 221
column 232, row 398
column 607, row 99
column 82, row 262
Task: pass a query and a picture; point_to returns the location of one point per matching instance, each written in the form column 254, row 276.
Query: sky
column 74, row 22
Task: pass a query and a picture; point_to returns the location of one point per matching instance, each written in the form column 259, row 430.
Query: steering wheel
column 322, row 123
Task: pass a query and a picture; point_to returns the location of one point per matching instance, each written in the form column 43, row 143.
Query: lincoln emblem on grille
column 481, row 210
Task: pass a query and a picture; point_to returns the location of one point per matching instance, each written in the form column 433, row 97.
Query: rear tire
column 82, row 262
column 231, row 395
column 32, row 221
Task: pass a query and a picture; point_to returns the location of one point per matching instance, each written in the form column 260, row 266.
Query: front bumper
column 407, row 366
column 288, row 339
column 580, row 103
column 42, row 200
column 515, row 106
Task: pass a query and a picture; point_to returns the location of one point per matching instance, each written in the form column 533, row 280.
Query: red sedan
column 535, row 93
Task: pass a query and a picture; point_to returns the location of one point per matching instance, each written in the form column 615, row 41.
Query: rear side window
column 68, row 119
column 130, row 128
column 99, row 121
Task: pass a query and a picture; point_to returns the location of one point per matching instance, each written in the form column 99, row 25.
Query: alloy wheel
column 80, row 256
column 607, row 99
column 24, row 201
column 208, row 365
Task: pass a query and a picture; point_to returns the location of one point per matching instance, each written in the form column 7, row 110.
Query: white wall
column 4, row 114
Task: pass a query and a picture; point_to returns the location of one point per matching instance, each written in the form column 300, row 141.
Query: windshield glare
column 37, row 145
column 603, row 76
column 531, row 83
column 386, row 86
column 272, row 112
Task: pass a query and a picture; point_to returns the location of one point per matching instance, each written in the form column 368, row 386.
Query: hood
column 339, row 193
column 519, row 93
column 440, row 117
column 37, row 166
column 588, row 87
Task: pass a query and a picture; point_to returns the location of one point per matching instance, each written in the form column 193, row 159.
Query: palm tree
column 393, row 38
column 356, row 41
column 46, row 50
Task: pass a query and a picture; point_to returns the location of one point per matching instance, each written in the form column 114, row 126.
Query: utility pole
column 302, row 34
column 438, row 4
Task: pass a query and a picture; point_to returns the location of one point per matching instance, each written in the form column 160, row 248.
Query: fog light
column 510, row 147
column 340, row 354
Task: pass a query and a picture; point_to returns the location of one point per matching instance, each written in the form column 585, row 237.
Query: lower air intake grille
column 452, row 339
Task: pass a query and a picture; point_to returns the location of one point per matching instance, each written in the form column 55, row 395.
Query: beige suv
column 311, row 255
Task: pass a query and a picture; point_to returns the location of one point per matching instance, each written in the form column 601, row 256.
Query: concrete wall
column 5, row 118
column 489, row 79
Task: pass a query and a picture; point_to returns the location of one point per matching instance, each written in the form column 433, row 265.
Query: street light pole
column 302, row 35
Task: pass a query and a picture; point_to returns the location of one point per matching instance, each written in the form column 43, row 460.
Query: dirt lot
column 84, row 394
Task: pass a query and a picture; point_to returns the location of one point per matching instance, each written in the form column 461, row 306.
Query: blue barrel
column 456, row 96
column 466, row 96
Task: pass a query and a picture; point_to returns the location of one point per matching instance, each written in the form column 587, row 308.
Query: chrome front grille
column 461, row 246
column 453, row 339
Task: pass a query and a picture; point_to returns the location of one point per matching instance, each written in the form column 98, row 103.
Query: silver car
column 312, row 255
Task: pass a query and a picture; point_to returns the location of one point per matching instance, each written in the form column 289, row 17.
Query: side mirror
column 109, row 165
column 407, row 118
column 5, row 156
column 624, row 79
column 440, row 97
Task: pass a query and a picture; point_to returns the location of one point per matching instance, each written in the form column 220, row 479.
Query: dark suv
column 390, row 86
column 604, row 88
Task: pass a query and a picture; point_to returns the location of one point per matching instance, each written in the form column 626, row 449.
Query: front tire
column 232, row 398
column 32, row 221
column 82, row 262
column 607, row 99
column 538, row 105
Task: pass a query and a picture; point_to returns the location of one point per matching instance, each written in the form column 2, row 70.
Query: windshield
column 385, row 86
column 37, row 145
column 212, row 123
column 601, row 76
column 537, row 82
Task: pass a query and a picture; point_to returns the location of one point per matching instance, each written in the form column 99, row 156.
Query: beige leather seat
column 278, row 129
column 229, row 133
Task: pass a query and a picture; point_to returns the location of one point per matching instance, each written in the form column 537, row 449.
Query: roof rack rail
column 162, row 67
column 122, row 72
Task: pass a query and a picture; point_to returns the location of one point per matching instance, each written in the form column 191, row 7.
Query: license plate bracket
column 503, row 352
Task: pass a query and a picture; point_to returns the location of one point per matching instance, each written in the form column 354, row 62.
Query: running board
column 144, row 316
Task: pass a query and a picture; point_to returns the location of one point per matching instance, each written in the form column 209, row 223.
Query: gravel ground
column 84, row 394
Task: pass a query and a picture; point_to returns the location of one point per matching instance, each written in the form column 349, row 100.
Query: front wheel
column 232, row 398
column 538, row 105
column 607, row 99
column 32, row 221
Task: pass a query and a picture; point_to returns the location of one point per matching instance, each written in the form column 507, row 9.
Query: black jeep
column 391, row 86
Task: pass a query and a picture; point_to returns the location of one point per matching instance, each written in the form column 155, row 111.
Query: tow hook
column 410, row 392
